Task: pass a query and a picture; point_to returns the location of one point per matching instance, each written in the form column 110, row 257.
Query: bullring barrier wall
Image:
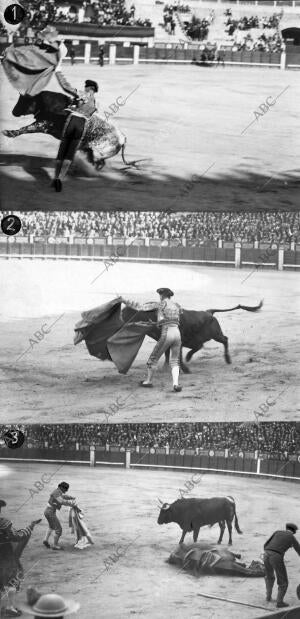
column 210, row 461
column 239, row 255
column 127, row 51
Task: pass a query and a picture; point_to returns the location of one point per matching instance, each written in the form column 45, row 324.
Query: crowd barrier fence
column 239, row 255
column 126, row 52
column 210, row 461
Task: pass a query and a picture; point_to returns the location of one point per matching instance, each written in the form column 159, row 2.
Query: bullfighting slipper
column 46, row 544
column 147, row 385
column 57, row 548
column 281, row 605
column 176, row 388
column 12, row 612
column 57, row 184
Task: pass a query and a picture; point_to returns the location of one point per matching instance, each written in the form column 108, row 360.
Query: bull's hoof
column 100, row 164
column 185, row 369
column 229, row 543
column 9, row 133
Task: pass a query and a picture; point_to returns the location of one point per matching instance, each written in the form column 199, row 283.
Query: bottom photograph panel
column 122, row 520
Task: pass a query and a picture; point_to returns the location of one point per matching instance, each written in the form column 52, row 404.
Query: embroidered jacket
column 58, row 498
column 168, row 312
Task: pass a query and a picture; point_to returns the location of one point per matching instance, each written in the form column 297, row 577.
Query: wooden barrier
column 230, row 255
column 163, row 458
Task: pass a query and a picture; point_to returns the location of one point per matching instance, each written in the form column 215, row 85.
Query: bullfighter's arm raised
column 64, row 84
column 141, row 307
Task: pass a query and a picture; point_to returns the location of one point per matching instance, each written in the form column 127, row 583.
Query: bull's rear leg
column 184, row 368
column 36, row 127
column 229, row 527
column 223, row 340
column 222, row 529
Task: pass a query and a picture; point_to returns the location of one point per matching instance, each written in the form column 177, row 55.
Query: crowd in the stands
column 277, row 438
column 254, row 33
column 39, row 13
column 196, row 228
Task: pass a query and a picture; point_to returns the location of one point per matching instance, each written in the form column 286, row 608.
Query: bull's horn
column 166, row 506
column 160, row 501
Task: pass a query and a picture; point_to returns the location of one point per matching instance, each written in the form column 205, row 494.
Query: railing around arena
column 254, row 464
column 178, row 251
column 127, row 52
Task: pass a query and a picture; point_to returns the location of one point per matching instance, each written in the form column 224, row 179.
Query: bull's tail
column 236, row 522
column 131, row 164
column 254, row 308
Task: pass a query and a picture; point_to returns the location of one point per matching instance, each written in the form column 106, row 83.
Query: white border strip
column 103, row 258
column 192, row 468
column 160, row 466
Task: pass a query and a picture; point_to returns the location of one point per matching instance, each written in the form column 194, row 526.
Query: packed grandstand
column 249, row 32
column 196, row 227
column 278, row 439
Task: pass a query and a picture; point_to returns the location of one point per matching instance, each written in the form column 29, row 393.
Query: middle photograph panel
column 149, row 316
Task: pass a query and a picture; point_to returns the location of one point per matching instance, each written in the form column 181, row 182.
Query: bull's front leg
column 222, row 529
column 184, row 532
column 42, row 126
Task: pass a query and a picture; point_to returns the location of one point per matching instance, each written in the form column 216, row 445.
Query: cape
column 29, row 68
column 107, row 336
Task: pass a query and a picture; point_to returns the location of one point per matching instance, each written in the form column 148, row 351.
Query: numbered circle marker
column 11, row 224
column 14, row 439
column 14, row 14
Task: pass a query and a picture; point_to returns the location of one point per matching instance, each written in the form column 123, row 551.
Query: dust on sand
column 191, row 124
column 121, row 511
column 53, row 381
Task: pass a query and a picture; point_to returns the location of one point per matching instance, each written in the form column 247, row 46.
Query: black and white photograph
column 144, row 104
column 149, row 309
column 146, row 520
column 146, row 316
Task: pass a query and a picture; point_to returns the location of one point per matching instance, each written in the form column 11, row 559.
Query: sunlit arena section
column 239, row 271
column 126, row 565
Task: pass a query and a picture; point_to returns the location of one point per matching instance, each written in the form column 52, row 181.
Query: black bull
column 196, row 328
column 102, row 140
column 192, row 514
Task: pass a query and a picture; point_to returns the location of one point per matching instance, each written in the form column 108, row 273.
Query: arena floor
column 54, row 381
column 185, row 120
column 121, row 511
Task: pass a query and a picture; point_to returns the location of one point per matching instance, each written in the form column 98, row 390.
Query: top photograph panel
column 149, row 106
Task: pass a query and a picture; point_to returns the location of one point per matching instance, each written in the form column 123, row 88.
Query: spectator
column 277, row 439
column 101, row 56
column 195, row 228
column 72, row 54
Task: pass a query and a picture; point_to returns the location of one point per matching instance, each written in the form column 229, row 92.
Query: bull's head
column 164, row 514
column 25, row 105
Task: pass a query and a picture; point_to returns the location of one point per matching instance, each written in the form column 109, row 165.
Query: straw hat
column 48, row 605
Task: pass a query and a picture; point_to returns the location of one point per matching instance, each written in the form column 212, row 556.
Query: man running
column 275, row 549
column 57, row 498
column 81, row 110
column 168, row 316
